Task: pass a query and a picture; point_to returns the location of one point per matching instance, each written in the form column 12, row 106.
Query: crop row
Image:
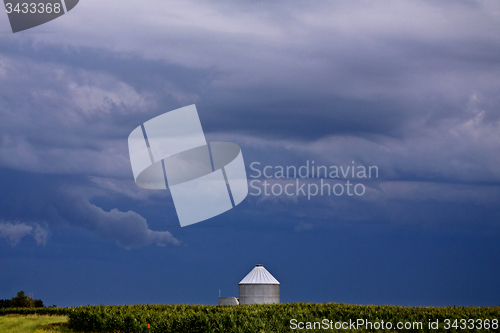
column 256, row 318
column 50, row 311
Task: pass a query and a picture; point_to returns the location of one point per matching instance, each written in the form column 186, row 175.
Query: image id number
column 471, row 324
column 33, row 8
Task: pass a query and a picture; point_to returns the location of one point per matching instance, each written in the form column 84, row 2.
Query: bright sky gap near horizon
column 411, row 87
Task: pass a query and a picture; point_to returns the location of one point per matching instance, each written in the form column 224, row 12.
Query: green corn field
column 270, row 318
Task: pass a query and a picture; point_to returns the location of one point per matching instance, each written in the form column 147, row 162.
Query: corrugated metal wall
column 259, row 293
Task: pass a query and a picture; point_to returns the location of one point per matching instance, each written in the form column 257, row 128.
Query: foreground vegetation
column 33, row 323
column 259, row 318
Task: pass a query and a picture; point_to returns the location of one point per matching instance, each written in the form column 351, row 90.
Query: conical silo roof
column 259, row 275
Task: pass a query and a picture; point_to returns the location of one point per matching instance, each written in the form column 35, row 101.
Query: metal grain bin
column 259, row 287
column 228, row 301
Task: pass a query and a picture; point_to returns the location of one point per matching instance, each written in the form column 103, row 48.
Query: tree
column 20, row 301
column 4, row 303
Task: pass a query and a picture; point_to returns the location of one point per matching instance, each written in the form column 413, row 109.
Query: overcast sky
column 411, row 87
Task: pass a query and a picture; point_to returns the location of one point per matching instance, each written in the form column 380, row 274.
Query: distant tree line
column 21, row 301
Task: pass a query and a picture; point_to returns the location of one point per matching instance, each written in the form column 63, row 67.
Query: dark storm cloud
column 143, row 74
column 409, row 86
column 53, row 200
column 55, row 69
column 392, row 89
column 74, row 116
column 306, row 110
column 303, row 118
column 289, row 114
column 308, row 71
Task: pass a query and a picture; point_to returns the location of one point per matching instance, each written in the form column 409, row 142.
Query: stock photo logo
column 205, row 179
column 26, row 14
